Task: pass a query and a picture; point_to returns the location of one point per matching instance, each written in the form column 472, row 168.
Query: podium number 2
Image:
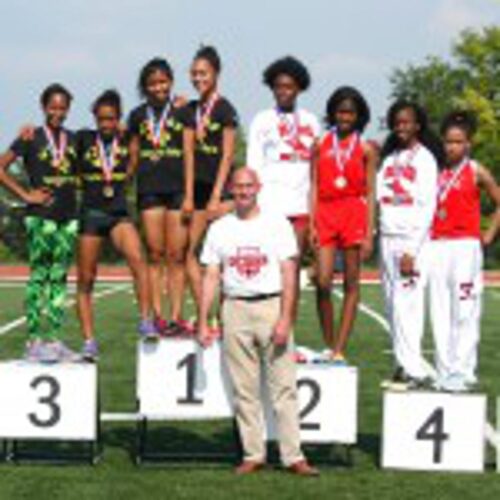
column 315, row 391
column 432, row 430
column 49, row 401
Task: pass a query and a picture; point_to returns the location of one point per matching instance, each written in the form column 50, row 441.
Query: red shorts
column 342, row 223
column 299, row 222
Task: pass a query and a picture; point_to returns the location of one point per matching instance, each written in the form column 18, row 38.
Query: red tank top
column 458, row 214
column 329, row 172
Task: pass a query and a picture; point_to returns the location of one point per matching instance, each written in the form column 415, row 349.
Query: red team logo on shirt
column 293, row 139
column 398, row 180
column 248, row 261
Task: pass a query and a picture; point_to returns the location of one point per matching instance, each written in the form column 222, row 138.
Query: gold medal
column 56, row 163
column 155, row 157
column 341, row 182
column 108, row 191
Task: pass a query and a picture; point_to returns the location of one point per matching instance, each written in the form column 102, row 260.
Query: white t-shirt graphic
column 250, row 252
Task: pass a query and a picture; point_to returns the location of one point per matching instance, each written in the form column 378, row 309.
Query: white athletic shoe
column 454, row 382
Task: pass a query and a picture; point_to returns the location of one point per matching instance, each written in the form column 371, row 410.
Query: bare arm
column 228, row 149
column 283, row 326
column 313, row 195
column 34, row 196
column 188, row 145
column 372, row 159
column 209, row 284
column 133, row 149
column 486, row 181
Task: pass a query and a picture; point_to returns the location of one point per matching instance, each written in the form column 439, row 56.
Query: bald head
column 245, row 186
column 245, row 174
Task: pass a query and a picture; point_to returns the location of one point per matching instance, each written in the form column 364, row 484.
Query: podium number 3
column 48, row 400
column 432, row 430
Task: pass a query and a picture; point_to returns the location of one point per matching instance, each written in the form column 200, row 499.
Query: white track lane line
column 20, row 321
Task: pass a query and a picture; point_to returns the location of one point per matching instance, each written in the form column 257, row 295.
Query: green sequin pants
column 50, row 248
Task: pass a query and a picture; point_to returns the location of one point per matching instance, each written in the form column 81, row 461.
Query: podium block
column 48, row 402
column 328, row 400
column 433, row 431
column 177, row 379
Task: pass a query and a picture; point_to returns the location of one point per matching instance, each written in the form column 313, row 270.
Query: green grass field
column 116, row 476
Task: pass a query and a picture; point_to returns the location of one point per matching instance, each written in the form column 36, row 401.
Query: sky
column 93, row 45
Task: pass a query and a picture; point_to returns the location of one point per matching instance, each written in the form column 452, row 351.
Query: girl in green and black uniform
column 103, row 160
column 212, row 121
column 49, row 157
column 157, row 145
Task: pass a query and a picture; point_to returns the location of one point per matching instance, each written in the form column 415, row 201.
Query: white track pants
column 456, row 289
column 405, row 305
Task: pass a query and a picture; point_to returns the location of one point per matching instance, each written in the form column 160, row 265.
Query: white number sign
column 434, row 431
column 178, row 379
column 48, row 401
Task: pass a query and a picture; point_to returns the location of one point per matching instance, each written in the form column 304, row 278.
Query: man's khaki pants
column 248, row 347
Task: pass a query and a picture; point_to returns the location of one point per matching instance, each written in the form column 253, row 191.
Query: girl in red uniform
column 456, row 271
column 343, row 171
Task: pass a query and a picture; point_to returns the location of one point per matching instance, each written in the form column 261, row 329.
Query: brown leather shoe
column 302, row 468
column 248, row 467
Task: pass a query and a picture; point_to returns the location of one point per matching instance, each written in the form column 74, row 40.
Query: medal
column 202, row 116
column 57, row 151
column 155, row 157
column 108, row 191
column 342, row 156
column 341, row 182
column 157, row 127
column 442, row 213
column 107, row 157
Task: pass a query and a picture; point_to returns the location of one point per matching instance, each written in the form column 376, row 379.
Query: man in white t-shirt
column 254, row 254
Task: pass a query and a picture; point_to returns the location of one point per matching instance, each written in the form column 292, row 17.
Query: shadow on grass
column 217, row 444
column 174, row 443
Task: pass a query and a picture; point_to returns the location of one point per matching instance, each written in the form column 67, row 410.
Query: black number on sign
column 311, row 404
column 432, row 430
column 48, row 400
column 190, row 363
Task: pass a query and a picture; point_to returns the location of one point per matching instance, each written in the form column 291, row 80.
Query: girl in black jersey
column 209, row 156
column 49, row 158
column 158, row 135
column 103, row 160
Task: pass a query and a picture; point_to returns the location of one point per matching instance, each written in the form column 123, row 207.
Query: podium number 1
column 190, row 363
column 432, row 430
column 49, row 401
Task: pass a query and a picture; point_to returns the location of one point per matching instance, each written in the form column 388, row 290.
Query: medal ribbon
column 343, row 156
column 398, row 166
column 56, row 152
column 107, row 157
column 291, row 129
column 203, row 116
column 156, row 127
column 445, row 189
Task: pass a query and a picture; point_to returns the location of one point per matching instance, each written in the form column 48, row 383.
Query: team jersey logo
column 248, row 261
column 298, row 138
column 399, row 181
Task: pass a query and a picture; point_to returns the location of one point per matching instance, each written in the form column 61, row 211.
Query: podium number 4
column 433, row 430
column 48, row 400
